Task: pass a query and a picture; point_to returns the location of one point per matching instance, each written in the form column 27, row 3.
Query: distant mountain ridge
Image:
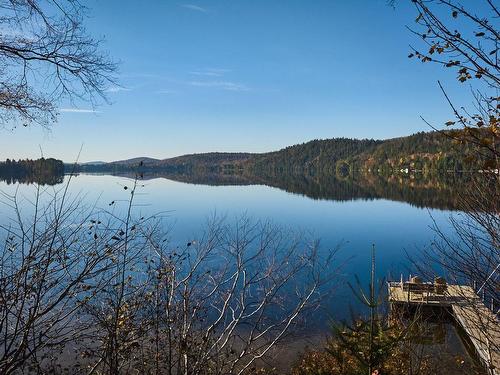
column 96, row 162
column 135, row 161
column 208, row 158
column 420, row 151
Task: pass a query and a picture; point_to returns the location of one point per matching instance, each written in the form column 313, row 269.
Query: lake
column 354, row 218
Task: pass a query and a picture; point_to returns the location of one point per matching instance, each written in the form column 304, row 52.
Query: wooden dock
column 479, row 323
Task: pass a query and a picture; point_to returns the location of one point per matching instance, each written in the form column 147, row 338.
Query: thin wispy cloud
column 78, row 110
column 165, row 92
column 223, row 85
column 205, row 74
column 113, row 89
column 209, row 72
column 196, row 8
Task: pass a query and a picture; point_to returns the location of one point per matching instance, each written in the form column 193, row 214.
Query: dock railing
column 424, row 290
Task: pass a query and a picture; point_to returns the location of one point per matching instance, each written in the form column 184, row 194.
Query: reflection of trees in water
column 439, row 191
column 40, row 171
column 48, row 179
column 435, row 191
column 202, row 178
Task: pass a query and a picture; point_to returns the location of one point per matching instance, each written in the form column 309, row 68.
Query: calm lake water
column 396, row 227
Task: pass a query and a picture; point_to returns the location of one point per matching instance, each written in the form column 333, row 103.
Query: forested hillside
column 43, row 171
column 428, row 152
column 421, row 151
column 432, row 151
column 313, row 155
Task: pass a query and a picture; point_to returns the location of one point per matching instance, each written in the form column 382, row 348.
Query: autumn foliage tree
column 466, row 40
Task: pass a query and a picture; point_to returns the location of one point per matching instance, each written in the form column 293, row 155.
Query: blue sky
column 241, row 75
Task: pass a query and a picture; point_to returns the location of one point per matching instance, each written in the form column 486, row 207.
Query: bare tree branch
column 46, row 55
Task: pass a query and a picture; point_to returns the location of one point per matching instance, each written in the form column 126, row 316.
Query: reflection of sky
column 392, row 226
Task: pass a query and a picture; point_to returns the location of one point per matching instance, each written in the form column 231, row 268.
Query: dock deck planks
column 478, row 322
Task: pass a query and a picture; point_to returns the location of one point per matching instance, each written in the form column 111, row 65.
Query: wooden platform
column 479, row 323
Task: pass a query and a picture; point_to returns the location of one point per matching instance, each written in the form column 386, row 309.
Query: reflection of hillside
column 433, row 191
column 49, row 179
column 213, row 179
column 40, row 171
column 441, row 191
column 437, row 192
